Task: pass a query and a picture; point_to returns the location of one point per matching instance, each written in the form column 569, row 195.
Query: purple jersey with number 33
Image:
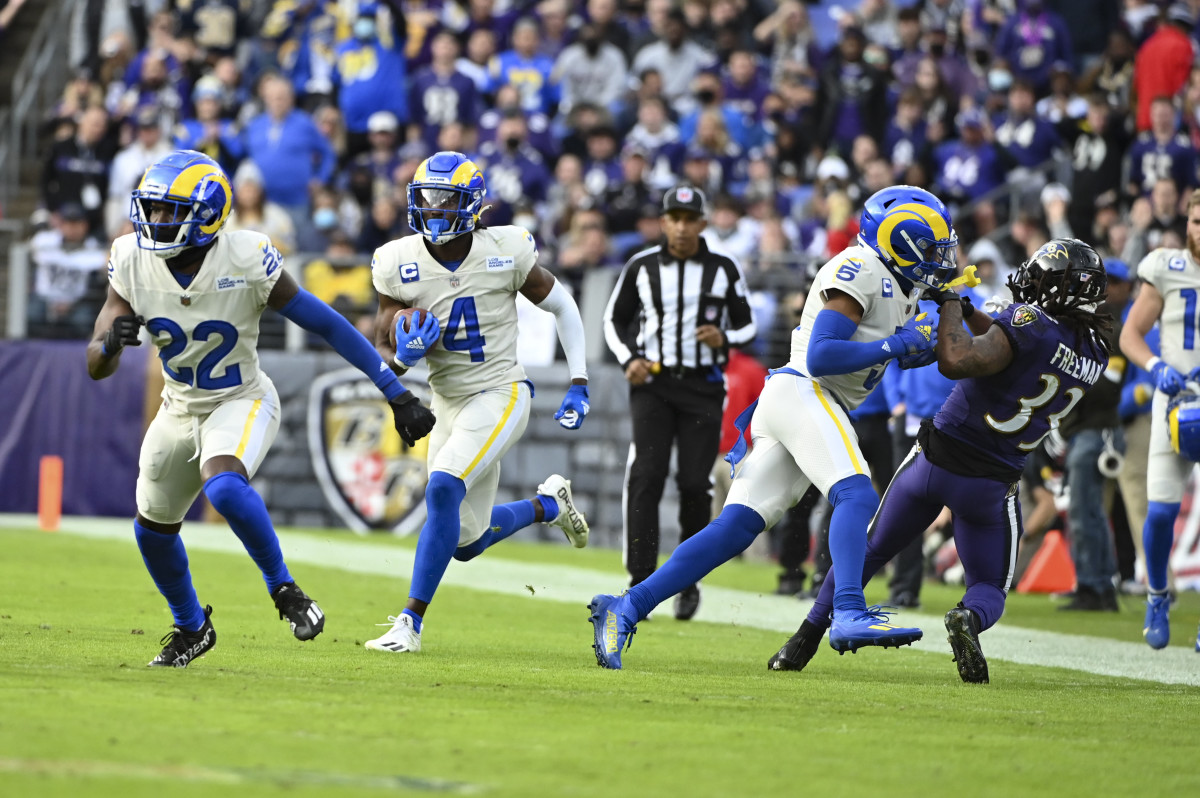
column 1006, row 414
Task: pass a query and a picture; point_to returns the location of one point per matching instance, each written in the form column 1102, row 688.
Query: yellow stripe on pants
column 241, row 449
column 841, row 430
column 512, row 402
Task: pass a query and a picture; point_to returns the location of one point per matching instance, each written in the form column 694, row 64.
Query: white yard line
column 493, row 573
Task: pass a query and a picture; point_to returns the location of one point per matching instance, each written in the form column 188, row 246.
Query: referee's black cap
column 686, row 198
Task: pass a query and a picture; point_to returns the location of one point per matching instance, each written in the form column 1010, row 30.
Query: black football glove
column 124, row 332
column 943, row 295
column 413, row 419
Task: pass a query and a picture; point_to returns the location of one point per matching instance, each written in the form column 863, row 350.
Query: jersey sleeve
column 526, row 256
column 120, row 261
column 384, row 274
column 852, row 275
column 1024, row 325
column 261, row 263
column 1151, row 269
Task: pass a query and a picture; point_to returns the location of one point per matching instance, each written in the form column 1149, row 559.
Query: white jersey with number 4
column 476, row 304
column 206, row 332
column 859, row 272
column 1176, row 276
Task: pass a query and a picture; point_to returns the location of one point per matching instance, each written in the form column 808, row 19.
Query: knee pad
column 855, row 490
column 444, row 492
column 225, row 490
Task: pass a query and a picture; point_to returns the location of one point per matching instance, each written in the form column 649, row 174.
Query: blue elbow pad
column 315, row 316
column 830, row 350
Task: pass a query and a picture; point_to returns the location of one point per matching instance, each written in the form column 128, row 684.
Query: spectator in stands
column 524, row 68
column 1063, row 103
column 1164, row 61
column 482, row 15
column 1113, row 75
column 585, row 248
column 971, row 166
column 328, row 120
column 209, row 132
column 1150, row 220
column 792, row 42
column 603, row 166
column 341, row 280
column 77, row 169
column 213, row 27
column 307, row 34
column 590, row 70
column 649, row 233
column 906, row 53
column 623, row 202
column 66, row 258
column 477, row 59
column 852, row 96
column 293, row 155
column 1099, row 142
column 555, row 33
column 441, row 95
column 382, row 225
column 148, row 148
column 253, row 211
column 677, row 58
column 153, row 85
column 743, row 128
column 81, row 93
column 1162, row 151
column 730, row 231
column 1029, row 141
column 1033, row 39
column 602, row 15
column 904, row 141
column 369, row 70
column 371, row 172
column 744, row 87
column 660, row 138
column 939, row 103
column 514, row 171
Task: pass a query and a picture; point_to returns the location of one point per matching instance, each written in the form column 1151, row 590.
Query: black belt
column 682, row 372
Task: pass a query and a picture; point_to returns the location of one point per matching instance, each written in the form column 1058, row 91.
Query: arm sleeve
column 742, row 328
column 315, row 316
column 570, row 328
column 622, row 308
column 831, row 352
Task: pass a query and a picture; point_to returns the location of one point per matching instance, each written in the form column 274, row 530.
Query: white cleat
column 401, row 638
column 569, row 519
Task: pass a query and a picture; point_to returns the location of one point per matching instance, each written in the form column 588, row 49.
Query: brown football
column 405, row 316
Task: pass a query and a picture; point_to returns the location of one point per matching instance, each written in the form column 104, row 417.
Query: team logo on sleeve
column 409, row 273
column 1176, row 264
column 370, row 478
column 1023, row 315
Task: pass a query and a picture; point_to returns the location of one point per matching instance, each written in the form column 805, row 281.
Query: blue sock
column 166, row 560
column 1158, row 536
column 854, row 502
column 506, row 519
column 232, row 497
column 416, row 619
column 439, row 537
column 727, row 536
column 549, row 508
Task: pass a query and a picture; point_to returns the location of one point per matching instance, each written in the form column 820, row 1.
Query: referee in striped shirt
column 675, row 311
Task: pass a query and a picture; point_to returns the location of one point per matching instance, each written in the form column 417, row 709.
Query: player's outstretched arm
column 830, row 350
column 1142, row 316
column 116, row 327
column 384, row 319
column 543, row 290
column 960, row 356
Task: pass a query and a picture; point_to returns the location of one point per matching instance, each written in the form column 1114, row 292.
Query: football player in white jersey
column 199, row 295
column 859, row 317
column 1167, row 296
column 466, row 276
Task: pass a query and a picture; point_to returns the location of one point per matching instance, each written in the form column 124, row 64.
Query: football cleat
column 612, row 631
column 402, row 638
column 569, row 519
column 181, row 647
column 854, row 629
column 798, row 650
column 964, row 641
column 687, row 602
column 1157, row 630
column 301, row 612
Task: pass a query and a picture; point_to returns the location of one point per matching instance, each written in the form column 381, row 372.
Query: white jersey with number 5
column 1176, row 276
column 859, row 272
column 476, row 304
column 207, row 331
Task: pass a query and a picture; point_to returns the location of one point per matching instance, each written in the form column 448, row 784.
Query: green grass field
column 506, row 698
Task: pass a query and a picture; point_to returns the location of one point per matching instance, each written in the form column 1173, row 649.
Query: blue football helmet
column 445, row 197
column 1183, row 419
column 910, row 230
column 198, row 193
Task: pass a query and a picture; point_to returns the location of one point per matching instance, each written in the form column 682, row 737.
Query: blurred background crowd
column 1032, row 119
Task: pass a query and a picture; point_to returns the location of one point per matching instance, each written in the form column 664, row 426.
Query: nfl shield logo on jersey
column 368, row 475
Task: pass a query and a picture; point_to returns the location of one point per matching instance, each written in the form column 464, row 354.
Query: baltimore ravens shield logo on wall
column 371, row 478
column 1023, row 315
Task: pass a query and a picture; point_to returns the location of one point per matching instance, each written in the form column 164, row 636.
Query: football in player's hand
column 408, row 319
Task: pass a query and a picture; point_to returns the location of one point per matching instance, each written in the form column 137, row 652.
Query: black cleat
column 299, row 610
column 798, row 650
column 686, row 603
column 964, row 640
column 180, row 647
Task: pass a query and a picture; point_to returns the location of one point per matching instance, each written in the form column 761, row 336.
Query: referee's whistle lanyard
column 742, row 422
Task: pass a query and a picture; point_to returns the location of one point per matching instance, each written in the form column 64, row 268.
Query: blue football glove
column 574, row 408
column 926, row 358
column 915, row 337
column 1167, row 379
column 411, row 346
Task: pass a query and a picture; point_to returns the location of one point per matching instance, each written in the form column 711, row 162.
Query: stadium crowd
column 1032, row 119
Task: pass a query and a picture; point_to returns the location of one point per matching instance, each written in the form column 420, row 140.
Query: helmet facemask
column 166, row 238
column 441, row 213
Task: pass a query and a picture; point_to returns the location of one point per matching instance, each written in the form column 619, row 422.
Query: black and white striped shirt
column 659, row 302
